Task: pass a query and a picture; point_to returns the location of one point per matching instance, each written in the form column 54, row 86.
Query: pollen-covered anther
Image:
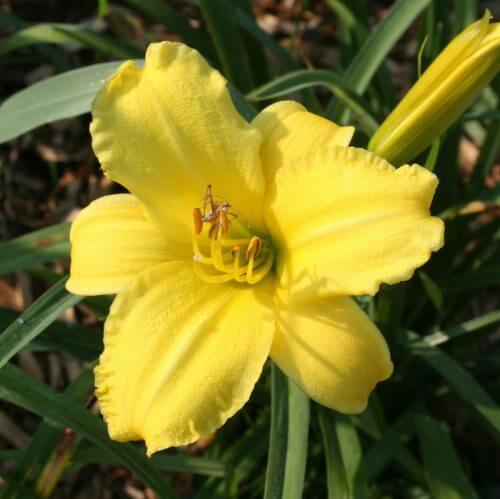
column 197, row 221
column 247, row 259
column 254, row 247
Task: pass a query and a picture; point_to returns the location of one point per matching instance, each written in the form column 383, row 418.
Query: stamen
column 254, row 246
column 224, row 262
column 197, row 221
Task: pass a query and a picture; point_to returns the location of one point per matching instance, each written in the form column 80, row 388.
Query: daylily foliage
column 293, row 224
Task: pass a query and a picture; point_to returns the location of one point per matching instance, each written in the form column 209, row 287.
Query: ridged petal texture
column 346, row 221
column 167, row 131
column 181, row 356
column 290, row 131
column 332, row 350
column 111, row 242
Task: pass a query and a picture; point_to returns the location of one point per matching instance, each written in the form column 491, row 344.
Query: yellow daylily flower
column 442, row 94
column 238, row 241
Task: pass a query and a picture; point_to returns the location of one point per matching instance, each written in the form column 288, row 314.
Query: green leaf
column 444, row 474
column 44, row 442
column 243, row 457
column 64, row 34
column 41, row 246
column 255, row 50
column 376, row 48
column 83, row 342
column 175, row 22
column 67, row 95
column 35, row 319
column 248, row 24
column 465, row 329
column 430, row 162
column 475, row 279
column 302, row 79
column 90, row 454
column 63, row 96
column 465, row 13
column 353, row 17
column 244, row 107
column 486, row 160
column 350, row 452
column 276, row 461
column 376, row 459
column 458, row 378
column 297, row 441
column 24, row 391
column 219, row 17
column 432, row 290
column 336, row 476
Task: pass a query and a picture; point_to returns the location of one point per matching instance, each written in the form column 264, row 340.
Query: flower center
column 224, row 249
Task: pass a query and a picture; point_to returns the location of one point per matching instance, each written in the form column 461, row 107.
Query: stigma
column 224, row 248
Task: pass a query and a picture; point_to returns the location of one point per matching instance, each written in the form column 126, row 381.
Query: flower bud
column 442, row 94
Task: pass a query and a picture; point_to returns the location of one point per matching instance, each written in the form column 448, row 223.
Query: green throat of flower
column 218, row 258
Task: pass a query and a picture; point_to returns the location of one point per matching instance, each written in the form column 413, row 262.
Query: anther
column 254, row 247
column 244, row 259
column 236, row 251
column 197, row 221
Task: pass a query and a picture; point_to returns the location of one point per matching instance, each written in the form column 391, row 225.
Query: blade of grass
column 63, row 96
column 297, row 441
column 373, row 423
column 175, row 22
column 67, row 95
column 430, row 162
column 35, row 319
column 457, row 377
column 376, row 48
column 378, row 457
column 354, row 18
column 475, row 279
column 83, row 342
column 244, row 456
column 228, row 45
column 350, row 452
column 444, row 473
column 253, row 48
column 466, row 12
column 465, row 329
column 276, row 461
column 58, row 60
column 44, row 441
column 302, row 79
column 67, row 34
column 432, row 290
column 24, row 391
column 89, row 454
column 41, row 246
column 248, row 24
column 336, row 476
column 486, row 160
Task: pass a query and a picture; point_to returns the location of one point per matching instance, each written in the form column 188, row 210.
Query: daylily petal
column 289, row 131
column 167, row 131
column 346, row 221
column 331, row 350
column 112, row 241
column 181, row 356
